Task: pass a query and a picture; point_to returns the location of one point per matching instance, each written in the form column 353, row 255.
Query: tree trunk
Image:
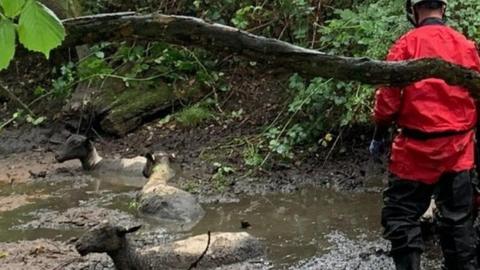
column 119, row 109
column 64, row 8
column 192, row 31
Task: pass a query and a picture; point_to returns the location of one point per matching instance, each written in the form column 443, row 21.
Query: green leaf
column 39, row 28
column 39, row 120
column 7, row 42
column 12, row 7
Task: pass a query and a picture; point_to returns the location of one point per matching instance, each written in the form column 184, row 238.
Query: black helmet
column 410, row 4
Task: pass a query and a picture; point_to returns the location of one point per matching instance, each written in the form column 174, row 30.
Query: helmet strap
column 410, row 12
column 415, row 20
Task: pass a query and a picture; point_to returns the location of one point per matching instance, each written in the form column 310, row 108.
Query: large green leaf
column 7, row 42
column 39, row 28
column 12, row 7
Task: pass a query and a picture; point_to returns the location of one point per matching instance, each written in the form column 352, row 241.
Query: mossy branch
column 190, row 31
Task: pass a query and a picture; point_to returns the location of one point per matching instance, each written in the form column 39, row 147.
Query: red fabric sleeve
column 476, row 67
column 476, row 59
column 388, row 99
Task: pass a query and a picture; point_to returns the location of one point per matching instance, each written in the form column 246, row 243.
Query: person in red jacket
column 434, row 150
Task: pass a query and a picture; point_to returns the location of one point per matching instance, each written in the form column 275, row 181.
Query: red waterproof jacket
column 430, row 106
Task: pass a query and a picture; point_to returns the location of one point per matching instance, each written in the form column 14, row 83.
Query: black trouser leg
column 455, row 225
column 404, row 202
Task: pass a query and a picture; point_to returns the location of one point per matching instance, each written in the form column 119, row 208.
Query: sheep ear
column 124, row 231
column 150, row 157
column 134, row 229
column 89, row 144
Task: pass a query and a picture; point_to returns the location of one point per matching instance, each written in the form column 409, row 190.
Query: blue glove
column 377, row 149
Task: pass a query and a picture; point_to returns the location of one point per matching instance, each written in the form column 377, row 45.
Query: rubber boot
column 407, row 261
column 472, row 265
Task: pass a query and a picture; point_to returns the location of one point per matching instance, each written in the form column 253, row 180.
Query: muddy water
column 308, row 229
column 57, row 197
column 295, row 226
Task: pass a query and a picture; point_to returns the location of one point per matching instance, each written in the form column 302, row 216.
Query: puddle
column 58, row 197
column 294, row 226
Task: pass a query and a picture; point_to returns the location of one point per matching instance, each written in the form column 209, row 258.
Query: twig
column 62, row 266
column 40, row 98
column 6, row 123
column 20, row 102
column 258, row 27
column 283, row 30
column 212, row 86
column 98, row 135
column 337, row 139
column 333, row 147
column 315, row 24
column 280, row 134
column 195, row 264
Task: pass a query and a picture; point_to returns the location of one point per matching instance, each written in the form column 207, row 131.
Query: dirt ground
column 22, row 167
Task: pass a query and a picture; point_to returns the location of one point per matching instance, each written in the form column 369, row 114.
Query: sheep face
column 76, row 147
column 153, row 160
column 103, row 238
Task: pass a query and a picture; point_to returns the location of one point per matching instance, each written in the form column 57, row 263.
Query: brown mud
column 12, row 202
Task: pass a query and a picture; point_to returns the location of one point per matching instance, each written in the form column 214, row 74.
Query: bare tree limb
column 190, row 31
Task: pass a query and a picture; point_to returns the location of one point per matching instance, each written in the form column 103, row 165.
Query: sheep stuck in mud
column 122, row 171
column 163, row 202
column 224, row 249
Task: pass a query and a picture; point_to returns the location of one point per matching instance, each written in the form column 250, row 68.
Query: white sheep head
column 153, row 160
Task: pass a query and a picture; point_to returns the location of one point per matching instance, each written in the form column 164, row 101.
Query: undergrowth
column 193, row 115
column 320, row 109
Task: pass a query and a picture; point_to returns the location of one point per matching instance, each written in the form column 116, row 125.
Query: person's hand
column 377, row 149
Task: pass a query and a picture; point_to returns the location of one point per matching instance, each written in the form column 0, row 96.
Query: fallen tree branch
column 190, row 31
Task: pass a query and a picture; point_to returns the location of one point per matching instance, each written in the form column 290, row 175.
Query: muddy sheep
column 224, row 249
column 81, row 148
column 162, row 201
